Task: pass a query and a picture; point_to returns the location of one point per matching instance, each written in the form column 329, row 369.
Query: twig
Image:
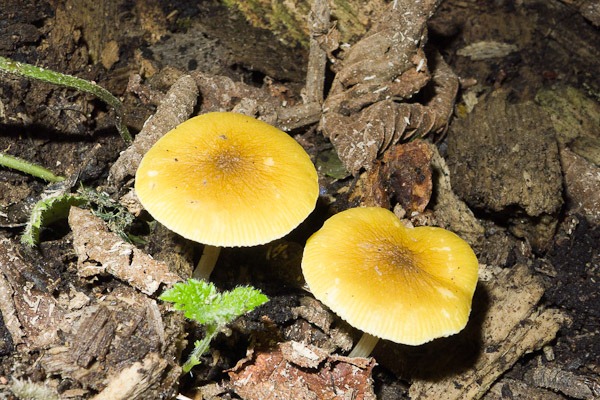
column 318, row 24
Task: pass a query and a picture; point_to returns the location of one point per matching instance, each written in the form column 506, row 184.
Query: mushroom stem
column 365, row 346
column 207, row 262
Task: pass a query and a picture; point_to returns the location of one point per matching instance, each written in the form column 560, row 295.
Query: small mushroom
column 407, row 285
column 226, row 179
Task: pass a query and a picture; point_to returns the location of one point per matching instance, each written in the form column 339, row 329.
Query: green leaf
column 47, row 211
column 200, row 301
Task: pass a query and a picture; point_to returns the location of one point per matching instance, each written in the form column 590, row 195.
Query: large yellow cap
column 226, row 179
column 407, row 285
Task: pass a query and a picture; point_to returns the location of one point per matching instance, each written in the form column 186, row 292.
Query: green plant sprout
column 36, row 171
column 56, row 78
column 116, row 216
column 200, row 302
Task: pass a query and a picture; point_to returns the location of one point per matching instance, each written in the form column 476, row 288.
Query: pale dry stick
column 290, row 118
column 318, row 24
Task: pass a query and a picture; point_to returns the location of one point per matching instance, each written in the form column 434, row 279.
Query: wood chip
column 100, row 251
column 133, row 381
column 269, row 374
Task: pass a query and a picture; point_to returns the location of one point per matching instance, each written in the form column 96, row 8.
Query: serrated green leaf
column 239, row 301
column 200, row 301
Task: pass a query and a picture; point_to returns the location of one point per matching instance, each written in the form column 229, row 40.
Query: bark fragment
column 504, row 160
column 280, row 372
column 100, row 252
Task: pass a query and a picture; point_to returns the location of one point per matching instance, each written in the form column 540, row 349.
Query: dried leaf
column 402, row 177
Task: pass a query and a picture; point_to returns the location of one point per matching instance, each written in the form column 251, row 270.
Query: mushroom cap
column 226, row 179
column 407, row 285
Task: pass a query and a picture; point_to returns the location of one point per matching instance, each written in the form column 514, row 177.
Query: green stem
column 201, row 346
column 28, row 168
column 45, row 75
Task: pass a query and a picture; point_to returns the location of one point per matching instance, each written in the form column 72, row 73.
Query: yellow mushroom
column 226, row 179
column 407, row 285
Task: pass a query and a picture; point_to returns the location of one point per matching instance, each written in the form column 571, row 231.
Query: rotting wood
column 582, row 184
column 504, row 158
column 315, row 313
column 512, row 326
column 94, row 344
column 572, row 384
column 451, row 212
column 519, row 390
column 108, row 339
column 32, row 316
column 100, row 251
column 133, row 382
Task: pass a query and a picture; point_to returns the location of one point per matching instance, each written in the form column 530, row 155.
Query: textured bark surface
column 503, row 158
